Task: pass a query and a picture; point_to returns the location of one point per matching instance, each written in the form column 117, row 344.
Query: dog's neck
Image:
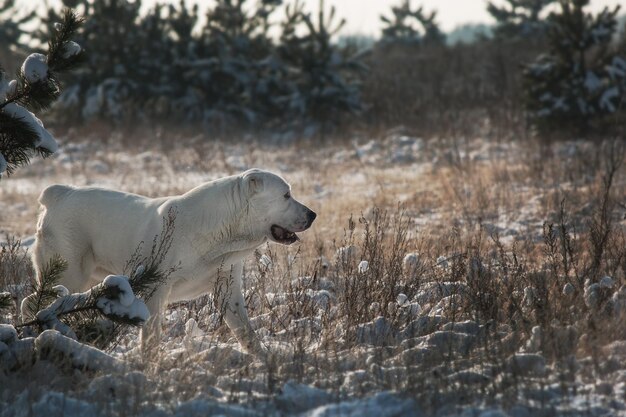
column 225, row 227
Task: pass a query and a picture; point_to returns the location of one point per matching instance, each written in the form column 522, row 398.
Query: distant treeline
column 244, row 65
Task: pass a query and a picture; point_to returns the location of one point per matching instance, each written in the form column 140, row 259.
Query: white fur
column 217, row 225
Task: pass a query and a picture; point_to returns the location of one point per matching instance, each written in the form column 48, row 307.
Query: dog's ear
column 253, row 182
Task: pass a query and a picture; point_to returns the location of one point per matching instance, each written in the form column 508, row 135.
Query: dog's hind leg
column 78, row 255
column 79, row 258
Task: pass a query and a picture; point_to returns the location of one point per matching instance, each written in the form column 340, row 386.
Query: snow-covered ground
column 353, row 329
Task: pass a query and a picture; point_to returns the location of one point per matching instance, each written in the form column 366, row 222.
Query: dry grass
column 506, row 225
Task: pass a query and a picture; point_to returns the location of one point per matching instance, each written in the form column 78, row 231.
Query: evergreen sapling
column 326, row 82
column 411, row 26
column 35, row 88
column 520, row 18
column 582, row 78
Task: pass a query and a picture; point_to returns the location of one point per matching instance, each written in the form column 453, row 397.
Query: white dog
column 217, row 226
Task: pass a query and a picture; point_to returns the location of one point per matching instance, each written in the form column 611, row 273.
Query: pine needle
column 44, row 292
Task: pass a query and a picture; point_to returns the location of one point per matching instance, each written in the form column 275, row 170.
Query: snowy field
column 430, row 284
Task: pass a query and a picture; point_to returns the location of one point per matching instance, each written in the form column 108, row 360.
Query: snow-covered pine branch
column 79, row 315
column 113, row 298
column 34, row 89
column 18, row 353
column 46, row 290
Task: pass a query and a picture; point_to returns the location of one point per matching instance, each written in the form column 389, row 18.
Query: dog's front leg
column 229, row 300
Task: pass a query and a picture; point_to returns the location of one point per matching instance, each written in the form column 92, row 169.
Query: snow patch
column 592, row 82
column 35, row 68
column 46, row 140
column 384, row 404
column 70, row 49
column 120, row 301
column 120, row 283
column 297, row 397
column 3, row 164
column 8, row 334
column 137, row 311
column 617, row 68
column 527, row 364
column 606, row 101
column 53, row 345
column 266, row 261
column 4, row 89
column 59, row 404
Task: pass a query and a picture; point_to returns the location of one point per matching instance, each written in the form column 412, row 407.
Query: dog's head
column 280, row 216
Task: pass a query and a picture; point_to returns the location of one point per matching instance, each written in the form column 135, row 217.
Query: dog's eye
column 287, row 196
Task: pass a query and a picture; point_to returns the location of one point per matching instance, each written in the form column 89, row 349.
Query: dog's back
column 53, row 194
column 81, row 223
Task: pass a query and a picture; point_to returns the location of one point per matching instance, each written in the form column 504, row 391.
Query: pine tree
column 35, row 88
column 238, row 48
column 582, row 77
column 112, row 77
column 411, row 26
column 520, row 18
column 230, row 72
column 152, row 65
column 45, row 291
column 326, row 82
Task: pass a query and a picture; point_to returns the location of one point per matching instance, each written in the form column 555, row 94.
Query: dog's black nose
column 310, row 217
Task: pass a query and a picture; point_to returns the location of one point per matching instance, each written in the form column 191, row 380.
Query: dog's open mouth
column 282, row 235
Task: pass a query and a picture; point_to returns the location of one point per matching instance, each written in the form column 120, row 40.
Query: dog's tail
column 53, row 193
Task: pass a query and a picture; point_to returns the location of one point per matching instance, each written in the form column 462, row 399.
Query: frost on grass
column 472, row 333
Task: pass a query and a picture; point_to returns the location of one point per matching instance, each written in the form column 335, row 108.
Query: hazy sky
column 363, row 16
